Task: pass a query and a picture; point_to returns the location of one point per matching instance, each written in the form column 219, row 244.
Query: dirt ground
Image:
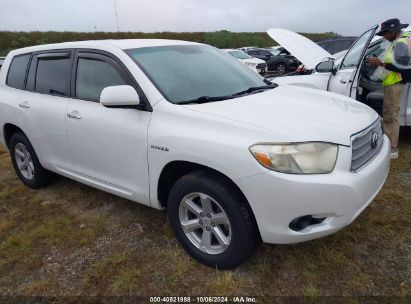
column 72, row 240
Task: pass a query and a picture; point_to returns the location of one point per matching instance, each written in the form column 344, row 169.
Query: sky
column 349, row 17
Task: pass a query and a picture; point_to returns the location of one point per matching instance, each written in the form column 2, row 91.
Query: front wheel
column 212, row 221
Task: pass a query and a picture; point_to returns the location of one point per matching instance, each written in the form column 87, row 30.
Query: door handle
column 24, row 105
column 74, row 115
column 344, row 81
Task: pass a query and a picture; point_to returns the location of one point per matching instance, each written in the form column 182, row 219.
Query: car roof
column 337, row 39
column 122, row 44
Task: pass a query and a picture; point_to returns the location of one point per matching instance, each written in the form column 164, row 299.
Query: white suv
column 232, row 159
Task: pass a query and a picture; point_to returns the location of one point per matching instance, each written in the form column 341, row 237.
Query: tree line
column 221, row 39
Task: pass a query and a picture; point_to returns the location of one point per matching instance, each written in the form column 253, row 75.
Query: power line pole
column 115, row 7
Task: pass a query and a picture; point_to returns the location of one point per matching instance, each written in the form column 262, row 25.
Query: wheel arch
column 176, row 169
column 281, row 62
column 9, row 130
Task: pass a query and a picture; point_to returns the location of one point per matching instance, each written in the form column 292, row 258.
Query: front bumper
column 276, row 199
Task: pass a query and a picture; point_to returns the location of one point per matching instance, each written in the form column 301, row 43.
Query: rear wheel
column 212, row 221
column 281, row 68
column 26, row 163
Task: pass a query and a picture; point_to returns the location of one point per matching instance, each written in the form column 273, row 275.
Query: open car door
column 345, row 79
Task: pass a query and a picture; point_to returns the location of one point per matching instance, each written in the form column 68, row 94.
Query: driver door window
column 93, row 76
column 355, row 54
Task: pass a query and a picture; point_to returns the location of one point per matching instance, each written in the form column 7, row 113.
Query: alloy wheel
column 24, row 161
column 205, row 223
column 281, row 69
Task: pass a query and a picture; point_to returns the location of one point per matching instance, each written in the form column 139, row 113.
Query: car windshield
column 239, row 54
column 275, row 52
column 188, row 72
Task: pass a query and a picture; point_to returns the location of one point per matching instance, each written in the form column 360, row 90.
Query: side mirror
column 325, row 66
column 119, row 96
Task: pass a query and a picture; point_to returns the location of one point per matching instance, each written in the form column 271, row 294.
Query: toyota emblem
column 375, row 140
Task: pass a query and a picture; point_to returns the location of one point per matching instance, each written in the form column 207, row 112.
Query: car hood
column 253, row 60
column 306, row 51
column 294, row 114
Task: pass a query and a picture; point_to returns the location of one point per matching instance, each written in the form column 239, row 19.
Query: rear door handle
column 344, row 81
column 24, row 105
column 74, row 115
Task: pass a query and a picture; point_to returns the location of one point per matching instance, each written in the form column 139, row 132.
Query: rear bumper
column 276, row 199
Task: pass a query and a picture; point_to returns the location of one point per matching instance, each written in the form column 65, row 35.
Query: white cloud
column 346, row 17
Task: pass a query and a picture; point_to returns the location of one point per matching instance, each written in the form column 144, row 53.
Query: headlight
column 251, row 64
column 302, row 158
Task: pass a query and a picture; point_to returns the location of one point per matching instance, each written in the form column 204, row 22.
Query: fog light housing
column 300, row 223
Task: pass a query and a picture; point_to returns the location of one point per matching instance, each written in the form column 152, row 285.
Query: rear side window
column 93, row 76
column 17, row 72
column 53, row 74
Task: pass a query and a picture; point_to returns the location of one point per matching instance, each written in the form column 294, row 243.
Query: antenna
column 115, row 6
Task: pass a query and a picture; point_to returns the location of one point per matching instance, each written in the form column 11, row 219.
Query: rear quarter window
column 17, row 71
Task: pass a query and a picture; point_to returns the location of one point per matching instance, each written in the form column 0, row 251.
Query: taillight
column 300, row 69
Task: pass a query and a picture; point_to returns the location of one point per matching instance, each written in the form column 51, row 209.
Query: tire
column 26, row 163
column 240, row 229
column 281, row 68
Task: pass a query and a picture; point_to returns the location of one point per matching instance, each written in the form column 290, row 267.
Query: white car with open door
column 348, row 75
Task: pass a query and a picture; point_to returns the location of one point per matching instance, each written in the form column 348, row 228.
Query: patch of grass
column 167, row 232
column 17, row 252
column 5, row 224
column 39, row 288
column 111, row 272
column 226, row 283
column 311, row 291
column 361, row 282
column 65, row 231
column 126, row 281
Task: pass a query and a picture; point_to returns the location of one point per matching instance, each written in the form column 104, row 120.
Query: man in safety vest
column 397, row 65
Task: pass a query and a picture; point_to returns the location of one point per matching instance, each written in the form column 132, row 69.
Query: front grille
column 261, row 66
column 366, row 145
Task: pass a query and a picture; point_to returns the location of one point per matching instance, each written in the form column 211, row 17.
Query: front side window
column 53, row 76
column 17, row 72
column 355, row 54
column 187, row 72
column 93, row 76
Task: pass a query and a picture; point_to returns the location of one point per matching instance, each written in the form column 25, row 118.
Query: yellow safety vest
column 393, row 77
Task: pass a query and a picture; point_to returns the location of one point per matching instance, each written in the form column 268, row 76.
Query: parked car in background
column 337, row 44
column 232, row 158
column 274, row 47
column 348, row 75
column 246, row 48
column 1, row 61
column 279, row 60
column 254, row 64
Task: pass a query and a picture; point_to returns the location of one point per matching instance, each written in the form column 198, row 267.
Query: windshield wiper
column 254, row 89
column 205, row 99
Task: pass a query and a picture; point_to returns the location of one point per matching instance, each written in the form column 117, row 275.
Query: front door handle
column 344, row 81
column 24, row 105
column 74, row 115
